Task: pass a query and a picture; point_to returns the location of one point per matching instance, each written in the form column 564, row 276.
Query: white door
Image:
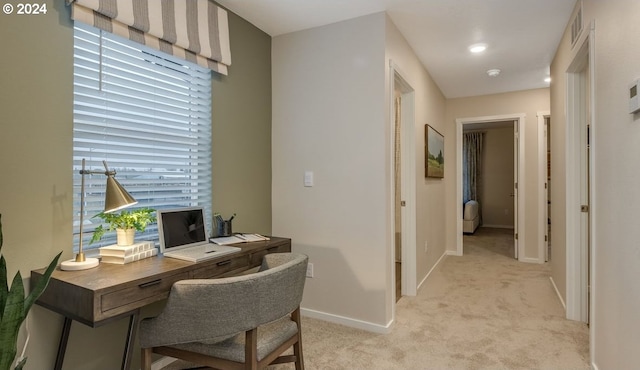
column 585, row 191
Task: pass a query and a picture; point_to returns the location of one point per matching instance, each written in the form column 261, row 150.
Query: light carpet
column 484, row 310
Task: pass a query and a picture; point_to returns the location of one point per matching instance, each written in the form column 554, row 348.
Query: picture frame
column 433, row 152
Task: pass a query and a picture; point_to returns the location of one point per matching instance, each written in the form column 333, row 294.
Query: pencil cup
column 224, row 228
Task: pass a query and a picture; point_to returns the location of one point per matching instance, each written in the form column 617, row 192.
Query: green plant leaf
column 4, row 287
column 11, row 321
column 40, row 285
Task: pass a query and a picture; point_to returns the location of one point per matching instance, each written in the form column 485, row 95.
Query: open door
column 516, row 168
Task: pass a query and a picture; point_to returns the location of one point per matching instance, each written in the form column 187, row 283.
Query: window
column 148, row 114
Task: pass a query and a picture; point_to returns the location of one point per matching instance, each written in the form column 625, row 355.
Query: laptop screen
column 181, row 228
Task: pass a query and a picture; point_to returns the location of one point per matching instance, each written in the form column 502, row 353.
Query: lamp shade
column 116, row 197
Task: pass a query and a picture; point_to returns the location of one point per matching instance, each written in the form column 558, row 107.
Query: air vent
column 576, row 25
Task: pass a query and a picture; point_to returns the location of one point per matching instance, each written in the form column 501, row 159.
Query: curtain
column 195, row 30
column 472, row 166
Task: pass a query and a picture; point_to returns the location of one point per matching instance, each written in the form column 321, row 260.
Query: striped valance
column 196, row 30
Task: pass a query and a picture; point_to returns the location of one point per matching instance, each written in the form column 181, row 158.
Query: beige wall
column 529, row 102
column 36, row 121
column 331, row 115
column 615, row 134
column 497, row 178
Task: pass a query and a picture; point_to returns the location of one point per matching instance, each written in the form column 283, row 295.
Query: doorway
column 518, row 186
column 403, row 183
column 579, row 204
column 544, row 177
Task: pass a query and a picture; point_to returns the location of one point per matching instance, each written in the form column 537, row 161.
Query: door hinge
column 545, row 185
column 584, row 208
column 516, row 236
column 403, row 203
column 516, row 185
column 545, row 238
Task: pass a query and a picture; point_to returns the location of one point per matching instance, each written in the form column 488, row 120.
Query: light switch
column 308, row 178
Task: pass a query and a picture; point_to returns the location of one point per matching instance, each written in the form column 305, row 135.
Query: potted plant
column 125, row 223
column 14, row 307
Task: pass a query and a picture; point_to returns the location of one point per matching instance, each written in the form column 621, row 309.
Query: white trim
column 576, row 283
column 555, row 287
column 498, row 226
column 346, row 321
column 542, row 190
column 408, row 183
column 432, row 269
column 520, row 118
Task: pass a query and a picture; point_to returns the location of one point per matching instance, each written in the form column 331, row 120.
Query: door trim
column 460, row 122
column 576, row 264
column 543, row 226
column 408, row 183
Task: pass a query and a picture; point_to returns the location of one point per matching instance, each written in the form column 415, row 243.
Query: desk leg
column 62, row 346
column 131, row 335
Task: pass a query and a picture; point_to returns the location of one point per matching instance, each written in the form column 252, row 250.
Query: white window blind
column 148, row 114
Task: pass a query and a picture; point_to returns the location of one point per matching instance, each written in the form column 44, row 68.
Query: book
column 238, row 238
column 121, row 260
column 126, row 250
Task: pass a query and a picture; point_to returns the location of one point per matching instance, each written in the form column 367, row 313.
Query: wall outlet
column 309, row 270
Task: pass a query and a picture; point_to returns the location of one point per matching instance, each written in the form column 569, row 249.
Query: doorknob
column 403, row 203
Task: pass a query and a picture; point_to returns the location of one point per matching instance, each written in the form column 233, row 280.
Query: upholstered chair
column 240, row 322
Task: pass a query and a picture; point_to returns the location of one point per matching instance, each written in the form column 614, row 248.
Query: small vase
column 125, row 236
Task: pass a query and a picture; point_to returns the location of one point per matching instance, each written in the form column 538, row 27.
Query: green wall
column 36, row 121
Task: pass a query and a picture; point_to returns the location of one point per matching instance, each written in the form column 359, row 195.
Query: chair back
column 212, row 309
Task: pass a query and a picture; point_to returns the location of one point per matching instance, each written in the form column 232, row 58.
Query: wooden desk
column 100, row 295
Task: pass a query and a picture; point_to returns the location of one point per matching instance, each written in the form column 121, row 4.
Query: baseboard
column 164, row 361
column 594, row 366
column 346, row 321
column 558, row 293
column 452, row 253
column 530, row 260
column 433, row 268
column 498, row 226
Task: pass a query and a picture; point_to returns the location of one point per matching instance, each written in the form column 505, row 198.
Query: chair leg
column 251, row 349
column 145, row 359
column 297, row 347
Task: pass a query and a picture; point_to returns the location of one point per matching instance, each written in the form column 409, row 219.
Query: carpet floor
column 484, row 310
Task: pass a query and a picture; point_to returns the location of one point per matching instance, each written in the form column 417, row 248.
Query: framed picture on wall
column 434, row 152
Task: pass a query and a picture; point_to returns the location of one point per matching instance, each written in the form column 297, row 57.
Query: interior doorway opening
column 403, row 183
column 518, row 185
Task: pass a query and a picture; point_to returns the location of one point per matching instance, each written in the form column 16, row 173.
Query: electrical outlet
column 310, row 270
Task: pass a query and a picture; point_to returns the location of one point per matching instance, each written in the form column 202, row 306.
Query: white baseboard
column 434, row 266
column 498, row 226
column 558, row 293
column 346, row 321
column 530, row 260
column 164, row 361
column 452, row 253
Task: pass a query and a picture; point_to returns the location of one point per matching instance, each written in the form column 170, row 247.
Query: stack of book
column 125, row 254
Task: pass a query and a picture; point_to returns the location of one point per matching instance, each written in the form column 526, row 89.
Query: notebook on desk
column 183, row 235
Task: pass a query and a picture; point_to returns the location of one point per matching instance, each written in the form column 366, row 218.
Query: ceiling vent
column 576, row 24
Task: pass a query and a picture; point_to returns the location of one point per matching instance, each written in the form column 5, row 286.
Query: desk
column 101, row 295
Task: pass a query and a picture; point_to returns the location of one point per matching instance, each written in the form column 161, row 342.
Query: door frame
column 408, row 182
column 543, row 206
column 460, row 122
column 577, row 264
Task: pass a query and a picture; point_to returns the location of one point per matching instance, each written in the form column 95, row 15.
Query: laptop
column 183, row 235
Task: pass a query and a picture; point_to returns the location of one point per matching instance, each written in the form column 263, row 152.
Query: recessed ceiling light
column 477, row 48
column 493, row 72
column 547, row 80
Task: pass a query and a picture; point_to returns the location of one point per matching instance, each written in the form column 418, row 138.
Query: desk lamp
column 116, row 198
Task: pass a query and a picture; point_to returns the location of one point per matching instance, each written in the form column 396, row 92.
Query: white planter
column 125, row 236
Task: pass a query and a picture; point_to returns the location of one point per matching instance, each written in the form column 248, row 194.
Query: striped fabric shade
column 196, row 30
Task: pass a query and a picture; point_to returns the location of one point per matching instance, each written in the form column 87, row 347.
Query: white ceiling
column 522, row 35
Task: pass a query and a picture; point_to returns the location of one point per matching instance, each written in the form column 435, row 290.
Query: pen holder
column 224, row 228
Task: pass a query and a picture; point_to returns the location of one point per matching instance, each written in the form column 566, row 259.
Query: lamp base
column 72, row 265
